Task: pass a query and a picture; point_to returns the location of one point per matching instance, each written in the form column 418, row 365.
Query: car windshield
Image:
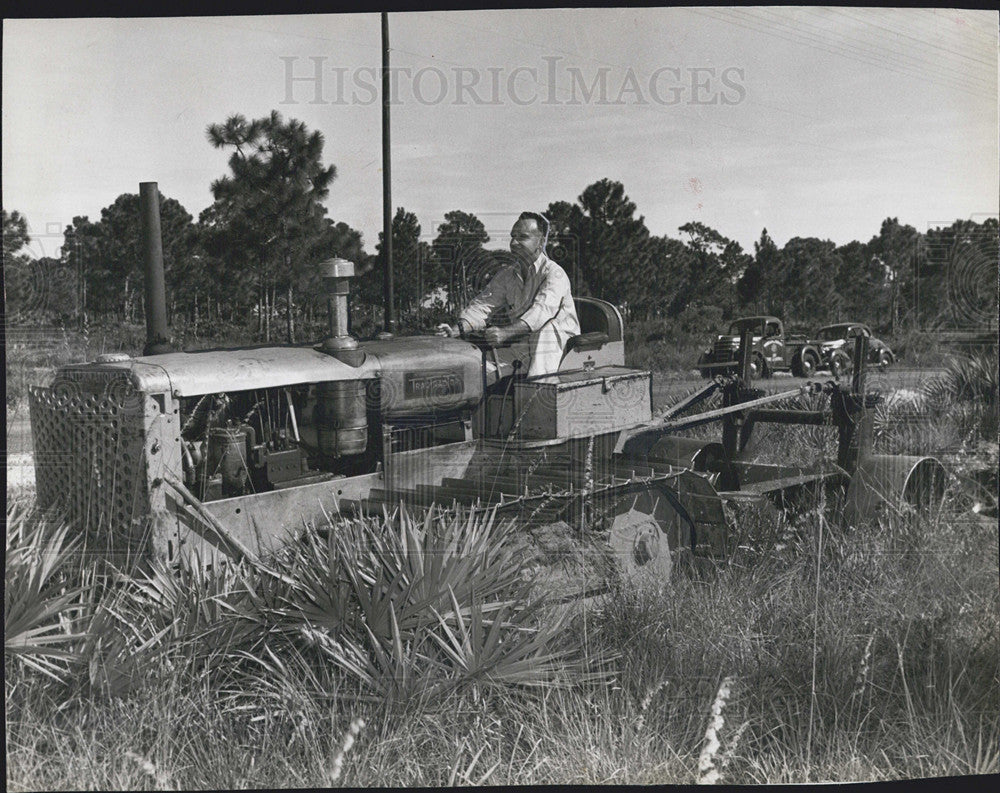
column 833, row 332
column 756, row 325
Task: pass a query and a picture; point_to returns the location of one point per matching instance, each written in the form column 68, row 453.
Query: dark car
column 773, row 351
column 836, row 347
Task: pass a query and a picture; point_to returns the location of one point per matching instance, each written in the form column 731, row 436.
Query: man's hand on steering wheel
column 495, row 336
column 498, row 336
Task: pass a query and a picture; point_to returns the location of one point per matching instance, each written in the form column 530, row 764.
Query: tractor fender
column 894, row 482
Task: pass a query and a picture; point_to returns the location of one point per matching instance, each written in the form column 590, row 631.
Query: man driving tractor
column 528, row 306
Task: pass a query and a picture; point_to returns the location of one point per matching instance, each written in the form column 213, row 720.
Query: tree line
column 249, row 259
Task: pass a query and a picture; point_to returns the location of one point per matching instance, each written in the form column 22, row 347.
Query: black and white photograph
column 509, row 396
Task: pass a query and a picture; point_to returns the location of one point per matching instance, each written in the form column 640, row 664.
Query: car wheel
column 702, row 360
column 803, row 364
column 841, row 363
column 884, row 360
column 809, row 364
column 757, row 366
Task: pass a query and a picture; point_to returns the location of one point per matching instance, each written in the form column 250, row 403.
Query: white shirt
column 542, row 301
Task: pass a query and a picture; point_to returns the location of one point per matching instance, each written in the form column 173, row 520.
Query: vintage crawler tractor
column 193, row 457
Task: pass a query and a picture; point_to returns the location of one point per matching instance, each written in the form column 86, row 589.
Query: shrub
column 379, row 609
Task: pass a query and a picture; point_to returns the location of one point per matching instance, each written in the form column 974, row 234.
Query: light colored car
column 836, row 347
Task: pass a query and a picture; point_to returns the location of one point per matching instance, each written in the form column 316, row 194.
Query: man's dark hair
column 541, row 220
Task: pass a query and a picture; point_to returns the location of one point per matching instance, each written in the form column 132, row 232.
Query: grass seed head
column 863, row 668
column 707, row 773
column 161, row 779
column 651, row 692
column 337, row 764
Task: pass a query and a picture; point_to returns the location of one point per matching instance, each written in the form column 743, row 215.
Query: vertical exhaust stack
column 387, row 295
column 337, row 274
column 157, row 337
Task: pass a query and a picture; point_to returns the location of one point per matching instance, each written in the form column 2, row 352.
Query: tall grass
column 238, row 679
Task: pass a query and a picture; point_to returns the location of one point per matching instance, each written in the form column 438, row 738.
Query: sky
column 806, row 121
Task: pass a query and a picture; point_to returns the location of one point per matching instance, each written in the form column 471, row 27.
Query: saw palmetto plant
column 405, row 606
column 948, row 411
column 974, row 381
column 191, row 618
column 43, row 592
column 378, row 608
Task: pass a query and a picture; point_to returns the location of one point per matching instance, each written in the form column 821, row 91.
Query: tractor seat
column 599, row 342
column 588, row 341
column 599, row 324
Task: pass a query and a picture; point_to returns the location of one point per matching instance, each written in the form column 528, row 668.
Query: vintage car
column 835, row 344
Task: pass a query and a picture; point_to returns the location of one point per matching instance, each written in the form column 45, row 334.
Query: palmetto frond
column 409, row 607
column 40, row 592
column 507, row 649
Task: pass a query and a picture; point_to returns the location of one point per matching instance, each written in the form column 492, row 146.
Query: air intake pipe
column 339, row 343
column 341, row 410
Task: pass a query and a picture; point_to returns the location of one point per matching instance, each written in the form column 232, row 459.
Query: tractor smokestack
column 387, row 296
column 157, row 339
column 337, row 274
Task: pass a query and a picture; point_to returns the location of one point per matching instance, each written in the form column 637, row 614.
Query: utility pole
column 81, row 287
column 387, row 296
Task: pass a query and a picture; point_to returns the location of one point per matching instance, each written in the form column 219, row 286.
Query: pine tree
column 269, row 209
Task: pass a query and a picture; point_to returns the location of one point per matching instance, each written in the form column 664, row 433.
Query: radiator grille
column 724, row 350
column 89, row 462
